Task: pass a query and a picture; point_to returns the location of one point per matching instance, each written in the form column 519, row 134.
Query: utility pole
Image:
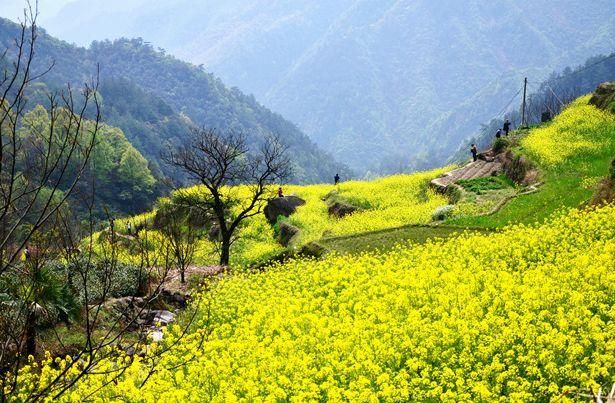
column 523, row 122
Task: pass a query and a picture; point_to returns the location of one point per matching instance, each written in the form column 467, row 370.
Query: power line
column 554, row 94
column 508, row 104
column 585, row 68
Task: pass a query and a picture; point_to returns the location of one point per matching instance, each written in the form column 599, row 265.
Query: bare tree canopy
column 219, row 161
column 50, row 269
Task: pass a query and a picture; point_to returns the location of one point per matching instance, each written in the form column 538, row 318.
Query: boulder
column 125, row 305
column 313, row 249
column 282, row 206
column 287, row 233
column 176, row 298
column 519, row 169
column 488, row 155
column 340, row 209
column 604, row 97
column 155, row 317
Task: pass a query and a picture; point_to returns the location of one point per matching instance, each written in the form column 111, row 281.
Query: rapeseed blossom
column 523, row 314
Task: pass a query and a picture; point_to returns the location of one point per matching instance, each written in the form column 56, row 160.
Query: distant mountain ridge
column 156, row 99
column 383, row 85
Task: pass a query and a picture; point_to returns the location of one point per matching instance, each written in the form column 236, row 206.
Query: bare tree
column 220, row 160
column 35, row 185
column 181, row 236
column 39, row 172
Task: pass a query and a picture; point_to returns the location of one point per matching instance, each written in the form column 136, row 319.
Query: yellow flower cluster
column 578, row 130
column 525, row 314
column 387, row 202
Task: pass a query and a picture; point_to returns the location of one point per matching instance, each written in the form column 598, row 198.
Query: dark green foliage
column 479, row 185
column 121, row 176
column 453, row 194
column 500, row 145
column 104, row 278
column 33, row 298
column 42, row 286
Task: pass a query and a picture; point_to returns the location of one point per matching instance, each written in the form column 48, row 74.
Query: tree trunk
column 181, row 275
column 225, row 251
column 31, row 333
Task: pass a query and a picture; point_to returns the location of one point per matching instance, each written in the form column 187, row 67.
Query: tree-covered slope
column 155, row 99
column 383, row 85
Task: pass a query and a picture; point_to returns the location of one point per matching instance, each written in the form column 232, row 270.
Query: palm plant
column 39, row 297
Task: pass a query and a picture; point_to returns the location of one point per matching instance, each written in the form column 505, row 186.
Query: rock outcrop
column 604, row 97
column 340, row 209
column 282, row 206
column 519, row 168
column 287, row 233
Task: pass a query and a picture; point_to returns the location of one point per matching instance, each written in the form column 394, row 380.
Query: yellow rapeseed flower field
column 526, row 314
column 578, row 130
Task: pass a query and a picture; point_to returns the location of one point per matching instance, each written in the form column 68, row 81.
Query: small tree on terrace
column 181, row 236
column 220, row 160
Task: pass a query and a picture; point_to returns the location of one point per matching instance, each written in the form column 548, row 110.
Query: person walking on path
column 280, row 192
column 337, row 179
column 128, row 228
column 474, row 152
column 506, row 126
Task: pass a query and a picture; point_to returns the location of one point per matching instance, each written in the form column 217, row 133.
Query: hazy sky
column 13, row 9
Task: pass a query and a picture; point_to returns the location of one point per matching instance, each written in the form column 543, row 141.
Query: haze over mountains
column 380, row 84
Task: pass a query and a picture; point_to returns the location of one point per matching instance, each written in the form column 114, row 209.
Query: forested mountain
column 119, row 173
column 381, row 84
column 156, row 99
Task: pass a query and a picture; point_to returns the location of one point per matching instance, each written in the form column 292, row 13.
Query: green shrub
column 442, row 213
column 103, row 279
column 453, row 194
column 500, row 145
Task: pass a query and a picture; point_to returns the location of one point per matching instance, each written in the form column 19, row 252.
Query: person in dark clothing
column 498, row 134
column 280, row 192
column 337, row 178
column 26, row 253
column 474, row 152
column 506, row 126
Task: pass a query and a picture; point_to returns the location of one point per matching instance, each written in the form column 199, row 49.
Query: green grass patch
column 386, row 239
column 479, row 185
